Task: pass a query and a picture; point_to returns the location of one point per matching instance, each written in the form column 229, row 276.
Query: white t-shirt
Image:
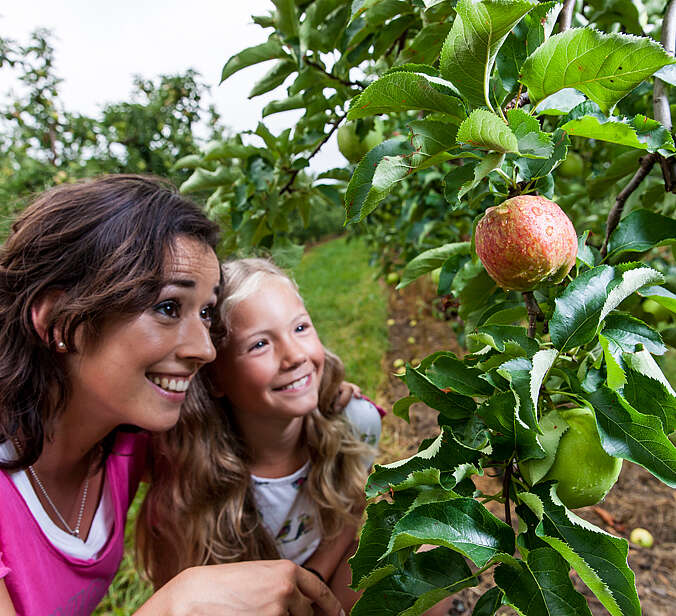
column 287, row 511
column 99, row 532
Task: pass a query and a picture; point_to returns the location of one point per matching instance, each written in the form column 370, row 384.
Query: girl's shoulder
column 365, row 417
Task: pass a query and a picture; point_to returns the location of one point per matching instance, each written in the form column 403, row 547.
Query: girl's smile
column 273, row 360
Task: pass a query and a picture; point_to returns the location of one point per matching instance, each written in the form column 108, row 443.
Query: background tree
column 42, row 143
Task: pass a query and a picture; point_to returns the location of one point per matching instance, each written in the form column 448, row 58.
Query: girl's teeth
column 178, row 385
column 296, row 384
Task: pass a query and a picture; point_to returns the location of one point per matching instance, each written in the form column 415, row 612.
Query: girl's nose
column 293, row 354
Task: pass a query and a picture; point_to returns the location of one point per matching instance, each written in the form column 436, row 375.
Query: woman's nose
column 195, row 343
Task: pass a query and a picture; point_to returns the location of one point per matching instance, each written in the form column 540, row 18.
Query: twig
column 661, row 100
column 295, row 172
column 345, row 82
column 505, row 491
column 534, row 312
column 566, row 16
column 615, row 214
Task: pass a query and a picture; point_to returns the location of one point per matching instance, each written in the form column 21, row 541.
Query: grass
column 349, row 310
column 348, row 307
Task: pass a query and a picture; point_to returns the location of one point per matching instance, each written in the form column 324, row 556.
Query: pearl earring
column 61, row 345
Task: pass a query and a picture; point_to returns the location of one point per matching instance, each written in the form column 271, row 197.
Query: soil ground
column 638, row 499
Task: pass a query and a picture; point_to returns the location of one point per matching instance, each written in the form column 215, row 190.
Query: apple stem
column 534, row 312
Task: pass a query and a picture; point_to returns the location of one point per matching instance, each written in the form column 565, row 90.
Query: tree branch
column 295, row 172
column 661, row 100
column 534, row 312
column 615, row 214
column 566, row 16
column 505, row 491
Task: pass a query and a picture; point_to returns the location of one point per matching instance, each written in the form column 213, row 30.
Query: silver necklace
column 73, row 531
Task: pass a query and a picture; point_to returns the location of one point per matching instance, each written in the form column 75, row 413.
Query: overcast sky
column 100, row 45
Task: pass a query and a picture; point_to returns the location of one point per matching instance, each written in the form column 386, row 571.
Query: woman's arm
column 266, row 588
column 6, row 605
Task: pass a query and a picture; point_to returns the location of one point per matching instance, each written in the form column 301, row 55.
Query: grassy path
column 349, row 310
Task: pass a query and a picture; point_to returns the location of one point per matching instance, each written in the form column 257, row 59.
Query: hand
column 346, row 392
column 265, row 588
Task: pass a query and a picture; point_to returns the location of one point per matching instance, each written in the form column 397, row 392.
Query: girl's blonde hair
column 200, row 508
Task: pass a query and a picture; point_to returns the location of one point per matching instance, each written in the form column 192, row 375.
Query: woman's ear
column 41, row 312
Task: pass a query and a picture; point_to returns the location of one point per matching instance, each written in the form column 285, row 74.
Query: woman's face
column 140, row 366
column 273, row 361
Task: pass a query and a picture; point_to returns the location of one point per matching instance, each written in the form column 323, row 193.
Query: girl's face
column 273, row 360
column 140, row 366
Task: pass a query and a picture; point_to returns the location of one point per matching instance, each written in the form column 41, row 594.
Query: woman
column 108, row 291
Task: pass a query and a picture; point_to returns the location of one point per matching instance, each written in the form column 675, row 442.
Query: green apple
column 352, row 146
column 584, row 471
column 642, row 537
column 572, row 166
column 660, row 312
column 392, row 278
column 390, row 322
column 410, row 340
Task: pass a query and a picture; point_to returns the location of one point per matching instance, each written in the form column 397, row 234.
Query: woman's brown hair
column 200, row 508
column 102, row 245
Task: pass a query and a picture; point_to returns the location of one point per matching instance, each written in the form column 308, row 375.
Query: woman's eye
column 207, row 314
column 168, row 308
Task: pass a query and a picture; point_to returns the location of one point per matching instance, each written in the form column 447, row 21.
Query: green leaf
column 449, row 372
column 374, row 537
column 553, row 427
column 374, row 177
column 625, row 332
column 626, row 433
column 598, row 558
column 644, row 362
column 605, row 67
column 488, row 603
column 269, row 50
column 590, row 298
column 497, row 337
column 490, row 162
column 518, row 373
column 650, row 397
column 225, row 150
column 273, row 78
column 560, row 103
column 541, row 586
column 430, row 260
column 425, row 579
column 400, row 91
column 639, row 132
column 614, row 373
column 535, row 168
column 286, row 104
column 661, row 295
column 445, row 453
column 453, row 406
column 532, row 141
column 456, row 178
column 639, row 231
column 461, row 524
column 426, row 45
column 202, row 179
column 479, row 30
column 401, row 407
column 484, row 130
column 286, row 18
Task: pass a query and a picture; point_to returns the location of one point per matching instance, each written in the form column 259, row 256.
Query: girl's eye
column 302, row 327
column 168, row 308
column 259, row 344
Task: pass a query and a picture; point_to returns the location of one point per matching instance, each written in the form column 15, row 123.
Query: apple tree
column 487, row 102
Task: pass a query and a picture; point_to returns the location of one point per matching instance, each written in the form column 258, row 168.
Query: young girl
column 107, row 294
column 278, row 471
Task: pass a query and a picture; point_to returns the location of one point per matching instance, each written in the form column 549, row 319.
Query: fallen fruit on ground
column 398, row 363
column 584, row 471
column 392, row 278
column 526, row 241
column 642, row 537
